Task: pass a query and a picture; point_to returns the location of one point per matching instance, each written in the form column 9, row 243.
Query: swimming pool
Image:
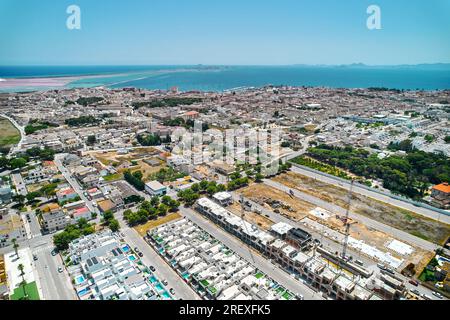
column 152, row 279
column 159, row 287
column 79, row 279
column 166, row 295
column 132, row 257
column 83, row 292
column 126, row 248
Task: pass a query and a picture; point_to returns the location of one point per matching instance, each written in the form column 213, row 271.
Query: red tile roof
column 443, row 187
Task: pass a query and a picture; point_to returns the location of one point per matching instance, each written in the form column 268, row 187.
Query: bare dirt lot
column 402, row 219
column 142, row 229
column 264, row 195
column 132, row 161
column 252, row 217
column 292, row 208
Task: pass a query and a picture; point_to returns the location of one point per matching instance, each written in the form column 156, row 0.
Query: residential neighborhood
column 127, row 198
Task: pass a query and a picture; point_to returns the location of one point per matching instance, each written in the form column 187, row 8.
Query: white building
column 154, row 188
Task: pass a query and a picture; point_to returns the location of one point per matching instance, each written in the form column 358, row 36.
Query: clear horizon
column 228, row 65
column 231, row 33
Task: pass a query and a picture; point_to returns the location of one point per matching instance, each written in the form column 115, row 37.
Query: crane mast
column 346, row 221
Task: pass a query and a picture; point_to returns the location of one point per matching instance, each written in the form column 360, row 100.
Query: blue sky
column 246, row 32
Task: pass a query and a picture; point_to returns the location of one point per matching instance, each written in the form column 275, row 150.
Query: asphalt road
column 54, row 285
column 51, row 284
column 398, row 203
column 74, row 184
column 152, row 258
column 263, row 264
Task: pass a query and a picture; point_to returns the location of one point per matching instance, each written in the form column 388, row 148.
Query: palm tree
column 23, row 283
column 15, row 246
column 22, row 274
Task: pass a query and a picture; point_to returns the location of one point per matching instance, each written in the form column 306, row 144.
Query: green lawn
column 287, row 295
column 113, row 177
column 204, row 283
column 9, row 135
column 31, row 290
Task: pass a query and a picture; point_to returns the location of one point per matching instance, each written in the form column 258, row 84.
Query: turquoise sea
column 220, row 78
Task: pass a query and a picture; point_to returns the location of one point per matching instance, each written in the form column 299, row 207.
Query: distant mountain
column 422, row 66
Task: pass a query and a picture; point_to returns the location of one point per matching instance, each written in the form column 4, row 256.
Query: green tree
column 204, row 185
column 259, row 177
column 154, row 201
column 162, row 210
column 108, row 215
column 18, row 163
column 114, row 225
column 15, row 246
column 91, row 140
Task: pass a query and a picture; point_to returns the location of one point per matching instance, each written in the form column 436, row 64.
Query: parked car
column 60, row 269
column 359, row 263
column 172, row 291
column 390, row 271
column 35, row 257
column 54, row 252
column 381, row 266
column 437, row 294
column 140, row 254
column 164, row 282
column 152, row 268
column 414, row 282
column 416, row 292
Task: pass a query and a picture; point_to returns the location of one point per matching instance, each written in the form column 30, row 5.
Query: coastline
column 220, row 79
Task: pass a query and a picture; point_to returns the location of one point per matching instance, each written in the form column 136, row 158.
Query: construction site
column 340, row 229
column 408, row 221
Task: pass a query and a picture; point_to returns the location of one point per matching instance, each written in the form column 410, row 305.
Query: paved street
column 401, row 204
column 74, row 184
column 35, row 228
column 51, row 284
column 151, row 258
column 251, row 255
